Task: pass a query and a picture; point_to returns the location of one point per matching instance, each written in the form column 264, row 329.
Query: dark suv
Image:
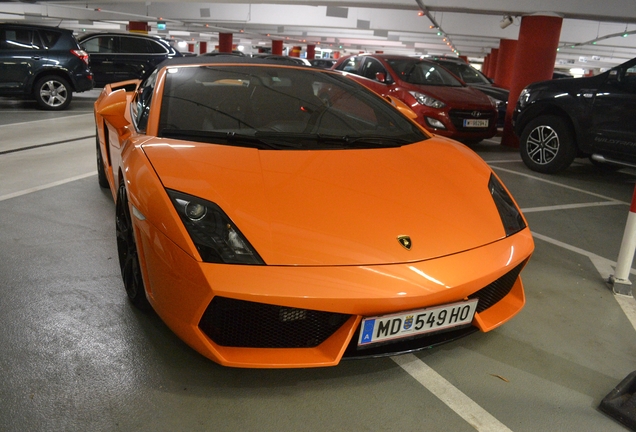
column 124, row 56
column 43, row 63
column 560, row 120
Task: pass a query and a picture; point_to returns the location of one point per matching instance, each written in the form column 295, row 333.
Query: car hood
column 457, row 97
column 340, row 207
column 492, row 91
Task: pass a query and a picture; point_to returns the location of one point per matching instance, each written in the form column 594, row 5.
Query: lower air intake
column 239, row 323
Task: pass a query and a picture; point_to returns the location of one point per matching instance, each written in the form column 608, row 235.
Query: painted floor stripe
column 53, row 119
column 570, row 206
column 464, row 406
column 560, row 185
column 46, row 186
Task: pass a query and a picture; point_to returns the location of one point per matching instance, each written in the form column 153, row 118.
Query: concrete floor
column 75, row 356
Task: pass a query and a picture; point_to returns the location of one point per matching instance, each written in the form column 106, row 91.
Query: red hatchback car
column 443, row 103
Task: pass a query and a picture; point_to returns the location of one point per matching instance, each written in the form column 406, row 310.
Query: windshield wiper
column 226, row 138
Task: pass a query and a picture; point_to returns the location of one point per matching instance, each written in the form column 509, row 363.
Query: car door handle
column 588, row 95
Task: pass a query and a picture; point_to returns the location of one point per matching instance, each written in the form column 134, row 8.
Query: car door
column 20, row 54
column 613, row 131
column 138, row 56
column 102, row 50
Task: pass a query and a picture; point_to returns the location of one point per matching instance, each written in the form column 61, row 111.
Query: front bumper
column 183, row 292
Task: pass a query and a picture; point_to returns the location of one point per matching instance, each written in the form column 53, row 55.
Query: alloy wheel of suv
column 53, row 93
column 547, row 145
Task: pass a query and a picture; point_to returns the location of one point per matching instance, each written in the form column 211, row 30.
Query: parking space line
column 463, row 406
column 46, row 186
column 560, row 185
column 605, row 268
column 570, row 206
column 55, row 119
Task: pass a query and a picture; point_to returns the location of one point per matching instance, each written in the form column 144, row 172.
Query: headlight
column 524, row 97
column 495, row 102
column 508, row 211
column 427, row 100
column 215, row 236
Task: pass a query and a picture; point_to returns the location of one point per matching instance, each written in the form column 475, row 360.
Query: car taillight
column 81, row 54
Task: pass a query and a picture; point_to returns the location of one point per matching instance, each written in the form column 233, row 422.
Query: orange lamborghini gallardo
column 279, row 216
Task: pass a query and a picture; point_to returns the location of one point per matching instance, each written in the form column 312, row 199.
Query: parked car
column 559, row 120
column 284, row 216
column 478, row 80
column 42, row 63
column 124, row 56
column 443, row 104
column 323, row 63
column 283, row 59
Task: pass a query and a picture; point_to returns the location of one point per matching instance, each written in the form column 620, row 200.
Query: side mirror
column 401, row 107
column 113, row 108
column 614, row 76
column 380, row 76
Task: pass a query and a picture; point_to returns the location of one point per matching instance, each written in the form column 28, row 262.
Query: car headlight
column 508, row 211
column 427, row 100
column 215, row 236
column 495, row 102
column 524, row 97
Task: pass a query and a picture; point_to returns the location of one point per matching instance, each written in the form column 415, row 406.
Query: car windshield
column 421, row 72
column 467, row 73
column 270, row 107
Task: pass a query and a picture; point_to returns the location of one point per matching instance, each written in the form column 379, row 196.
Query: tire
column 53, row 93
column 101, row 171
column 547, row 144
column 127, row 251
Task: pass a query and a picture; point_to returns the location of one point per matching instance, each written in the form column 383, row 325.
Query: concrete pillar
column 203, row 47
column 486, row 65
column 536, row 54
column 505, row 62
column 311, row 52
column 277, row 47
column 492, row 65
column 225, row 42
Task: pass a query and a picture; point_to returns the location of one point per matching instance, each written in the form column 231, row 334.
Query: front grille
column 492, row 293
column 239, row 323
column 457, row 117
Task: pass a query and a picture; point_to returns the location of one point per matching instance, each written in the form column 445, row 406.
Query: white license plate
column 475, row 123
column 407, row 324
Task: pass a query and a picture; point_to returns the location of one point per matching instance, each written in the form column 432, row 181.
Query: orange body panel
column 324, row 222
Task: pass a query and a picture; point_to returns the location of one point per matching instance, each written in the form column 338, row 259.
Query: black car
column 323, row 63
column 559, row 120
column 42, row 63
column 124, row 56
column 475, row 78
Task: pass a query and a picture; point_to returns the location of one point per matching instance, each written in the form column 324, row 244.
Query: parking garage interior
column 76, row 356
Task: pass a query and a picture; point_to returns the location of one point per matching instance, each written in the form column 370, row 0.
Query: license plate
column 475, row 123
column 407, row 324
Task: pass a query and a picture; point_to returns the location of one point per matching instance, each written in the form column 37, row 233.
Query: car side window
column 351, row 65
column 133, row 45
column 49, row 38
column 141, row 103
column 18, row 39
column 99, row 45
column 156, row 47
column 371, row 67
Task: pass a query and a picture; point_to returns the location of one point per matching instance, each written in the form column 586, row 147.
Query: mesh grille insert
column 492, row 293
column 239, row 323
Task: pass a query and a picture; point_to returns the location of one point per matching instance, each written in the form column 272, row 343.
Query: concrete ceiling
column 592, row 34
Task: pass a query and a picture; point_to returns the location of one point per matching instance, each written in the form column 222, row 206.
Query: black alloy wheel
column 127, row 251
column 53, row 93
column 547, row 144
column 101, row 171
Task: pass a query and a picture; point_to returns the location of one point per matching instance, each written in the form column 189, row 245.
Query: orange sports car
column 280, row 216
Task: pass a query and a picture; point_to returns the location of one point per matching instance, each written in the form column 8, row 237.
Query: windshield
column 421, row 72
column 278, row 108
column 467, row 73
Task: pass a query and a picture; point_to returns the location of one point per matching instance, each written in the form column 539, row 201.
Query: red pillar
column 486, row 65
column 203, row 47
column 311, row 52
column 277, row 47
column 190, row 47
column 336, row 54
column 492, row 65
column 465, row 58
column 505, row 62
column 225, row 42
column 295, row 51
column 536, row 54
